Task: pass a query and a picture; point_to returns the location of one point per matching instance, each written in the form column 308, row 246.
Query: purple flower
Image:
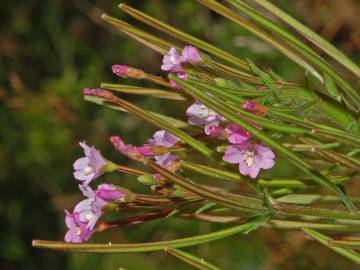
column 199, row 114
column 236, row 134
column 163, row 138
column 90, row 209
column 77, row 231
column 191, row 55
column 174, row 85
column 254, row 107
column 127, row 149
column 172, row 62
column 145, row 150
column 213, row 130
column 91, row 166
column 167, row 140
column 250, row 157
column 120, row 70
column 108, row 192
column 249, row 106
column 165, row 160
column 98, row 92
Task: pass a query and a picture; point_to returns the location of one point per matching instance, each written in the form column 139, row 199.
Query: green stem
column 144, row 247
column 191, row 259
column 323, row 239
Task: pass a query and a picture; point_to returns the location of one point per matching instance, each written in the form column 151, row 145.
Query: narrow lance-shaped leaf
column 170, row 120
column 350, row 244
column 298, row 162
column 289, row 224
column 239, row 203
column 323, row 239
column 161, row 46
column 155, row 43
column 294, row 41
column 183, row 36
column 198, row 263
column 317, row 40
column 135, row 90
column 276, row 43
column 144, row 247
column 211, row 171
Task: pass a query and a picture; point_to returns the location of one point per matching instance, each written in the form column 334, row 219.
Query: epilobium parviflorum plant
column 240, row 121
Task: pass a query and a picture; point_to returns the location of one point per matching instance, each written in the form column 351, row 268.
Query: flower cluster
column 81, row 223
column 173, row 62
column 242, row 148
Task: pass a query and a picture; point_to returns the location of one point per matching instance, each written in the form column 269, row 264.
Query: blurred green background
column 50, row 51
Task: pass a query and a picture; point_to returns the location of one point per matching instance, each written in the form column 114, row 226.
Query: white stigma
column 77, row 230
column 174, row 60
column 249, row 158
column 205, row 112
column 88, row 170
column 89, row 216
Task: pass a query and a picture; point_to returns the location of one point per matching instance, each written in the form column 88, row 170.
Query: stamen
column 77, row 230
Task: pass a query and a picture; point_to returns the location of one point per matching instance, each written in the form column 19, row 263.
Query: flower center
column 174, row 60
column 88, row 170
column 205, row 111
column 77, row 230
column 89, row 216
column 249, row 158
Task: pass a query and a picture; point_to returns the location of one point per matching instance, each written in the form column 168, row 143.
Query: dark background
column 50, row 51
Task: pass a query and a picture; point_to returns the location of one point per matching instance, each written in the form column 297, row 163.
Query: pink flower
column 250, row 157
column 163, row 138
column 120, row 70
column 199, row 114
column 191, row 55
column 90, row 209
column 213, row 130
column 109, row 192
column 91, row 166
column 182, row 76
column 174, row 85
column 172, row 62
column 236, row 134
column 98, row 92
column 254, row 107
column 167, row 140
column 78, row 231
column 127, row 149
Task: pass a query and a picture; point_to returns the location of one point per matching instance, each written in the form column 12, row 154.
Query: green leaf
column 289, row 224
column 157, row 44
column 183, row 36
column 295, row 42
column 205, row 207
column 144, row 91
column 316, row 39
column 170, row 120
column 331, row 88
column 211, row 171
column 351, row 244
column 325, row 240
column 276, row 43
column 198, row 263
column 239, row 202
column 153, row 246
